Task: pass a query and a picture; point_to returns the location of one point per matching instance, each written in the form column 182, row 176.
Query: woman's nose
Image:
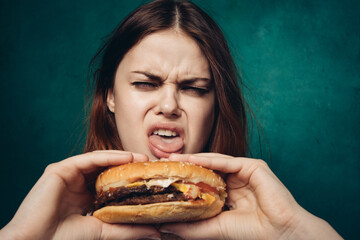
column 168, row 103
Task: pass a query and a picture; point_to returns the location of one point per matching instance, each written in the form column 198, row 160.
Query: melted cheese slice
column 135, row 184
column 181, row 187
column 190, row 191
column 207, row 197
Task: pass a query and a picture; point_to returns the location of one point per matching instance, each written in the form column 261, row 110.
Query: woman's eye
column 199, row 91
column 145, row 85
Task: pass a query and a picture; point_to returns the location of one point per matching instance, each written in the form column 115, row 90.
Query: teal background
column 301, row 65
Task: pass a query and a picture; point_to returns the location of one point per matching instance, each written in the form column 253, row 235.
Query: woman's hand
column 260, row 205
column 55, row 208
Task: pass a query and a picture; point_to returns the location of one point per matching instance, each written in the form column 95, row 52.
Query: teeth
column 165, row 133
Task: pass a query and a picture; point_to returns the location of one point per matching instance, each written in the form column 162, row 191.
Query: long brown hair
column 229, row 134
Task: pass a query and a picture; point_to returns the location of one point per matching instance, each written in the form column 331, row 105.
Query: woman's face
column 163, row 98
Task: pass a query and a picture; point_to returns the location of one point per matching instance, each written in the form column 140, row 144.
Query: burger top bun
column 124, row 174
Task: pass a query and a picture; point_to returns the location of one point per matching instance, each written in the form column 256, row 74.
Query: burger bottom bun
column 179, row 211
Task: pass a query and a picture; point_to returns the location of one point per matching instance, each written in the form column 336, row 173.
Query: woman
column 166, row 88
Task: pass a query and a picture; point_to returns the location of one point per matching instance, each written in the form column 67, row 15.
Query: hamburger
column 158, row 192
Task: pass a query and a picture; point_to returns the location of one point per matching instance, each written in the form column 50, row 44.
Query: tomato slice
column 207, row 188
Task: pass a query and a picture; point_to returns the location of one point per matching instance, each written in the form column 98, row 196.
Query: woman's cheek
column 200, row 116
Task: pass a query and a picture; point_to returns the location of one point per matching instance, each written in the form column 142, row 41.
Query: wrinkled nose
column 168, row 103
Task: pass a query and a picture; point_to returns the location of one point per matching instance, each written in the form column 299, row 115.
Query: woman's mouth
column 162, row 142
column 165, row 133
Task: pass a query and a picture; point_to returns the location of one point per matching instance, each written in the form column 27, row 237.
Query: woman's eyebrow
column 185, row 81
column 196, row 79
column 149, row 75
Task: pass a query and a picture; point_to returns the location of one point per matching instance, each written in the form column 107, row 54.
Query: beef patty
column 137, row 195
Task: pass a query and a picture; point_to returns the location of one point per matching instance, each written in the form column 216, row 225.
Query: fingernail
column 174, row 154
column 150, row 238
column 165, row 230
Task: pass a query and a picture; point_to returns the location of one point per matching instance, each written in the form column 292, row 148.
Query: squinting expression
column 163, row 98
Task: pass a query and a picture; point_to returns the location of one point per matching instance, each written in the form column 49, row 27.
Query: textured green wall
column 300, row 61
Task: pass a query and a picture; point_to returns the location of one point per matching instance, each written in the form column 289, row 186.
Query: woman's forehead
column 165, row 51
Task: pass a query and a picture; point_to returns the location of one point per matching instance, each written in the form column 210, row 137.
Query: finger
column 213, row 161
column 124, row 231
column 137, row 156
column 209, row 229
column 91, row 161
column 89, row 227
column 85, row 167
column 211, row 154
column 179, row 157
column 184, row 157
column 241, row 169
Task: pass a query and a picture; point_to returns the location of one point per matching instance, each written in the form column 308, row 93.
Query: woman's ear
column 110, row 100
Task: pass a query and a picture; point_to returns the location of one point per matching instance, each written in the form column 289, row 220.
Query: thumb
column 208, row 229
column 125, row 231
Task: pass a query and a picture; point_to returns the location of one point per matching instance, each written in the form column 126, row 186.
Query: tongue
column 168, row 145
